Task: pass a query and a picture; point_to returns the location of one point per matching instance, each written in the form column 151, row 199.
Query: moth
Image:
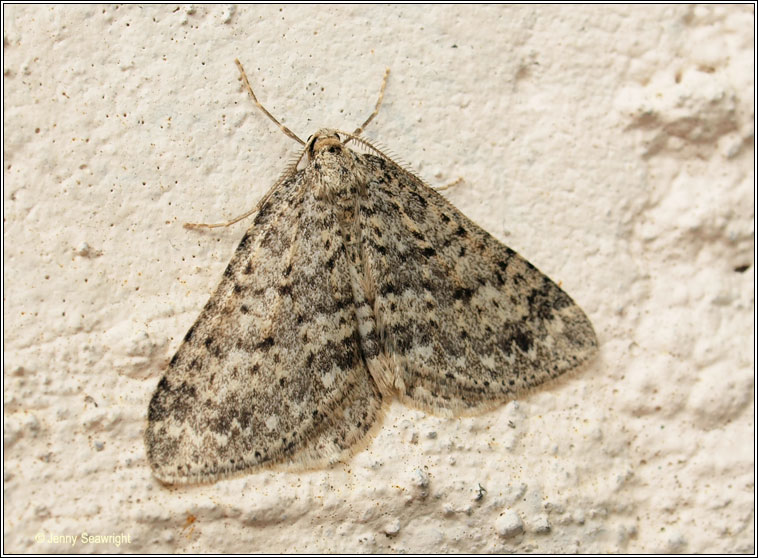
column 356, row 283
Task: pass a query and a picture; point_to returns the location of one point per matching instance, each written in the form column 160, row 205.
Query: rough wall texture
column 611, row 146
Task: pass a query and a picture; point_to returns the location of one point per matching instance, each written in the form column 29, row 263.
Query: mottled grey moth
column 356, row 283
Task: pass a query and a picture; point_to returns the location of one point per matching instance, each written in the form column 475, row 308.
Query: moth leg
column 192, row 226
column 455, row 182
column 288, row 173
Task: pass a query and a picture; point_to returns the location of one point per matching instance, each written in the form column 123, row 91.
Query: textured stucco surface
column 611, row 146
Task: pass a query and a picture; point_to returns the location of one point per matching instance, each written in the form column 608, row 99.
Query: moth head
column 325, row 140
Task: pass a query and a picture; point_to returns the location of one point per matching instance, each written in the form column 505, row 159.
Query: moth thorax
column 332, row 166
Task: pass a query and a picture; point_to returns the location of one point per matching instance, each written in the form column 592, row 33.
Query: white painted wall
column 610, row 145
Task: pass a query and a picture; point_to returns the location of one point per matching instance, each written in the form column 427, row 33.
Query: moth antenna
column 362, row 127
column 282, row 127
